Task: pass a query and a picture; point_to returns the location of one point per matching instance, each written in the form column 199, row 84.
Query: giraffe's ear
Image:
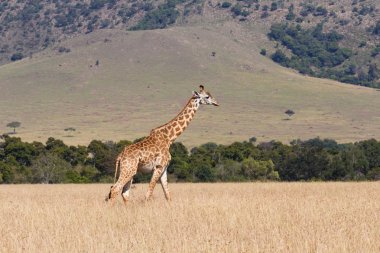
column 196, row 94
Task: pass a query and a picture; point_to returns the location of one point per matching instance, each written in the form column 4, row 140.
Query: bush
column 307, row 9
column 205, row 173
column 7, row 173
column 64, row 50
column 273, row 6
column 320, row 11
column 259, row 170
column 226, row 5
column 374, row 174
column 279, row 57
column 375, row 51
column 17, row 56
column 265, row 14
column 97, row 4
column 290, row 16
column 376, row 29
column 237, row 10
column 263, row 51
column 373, row 72
column 230, row 170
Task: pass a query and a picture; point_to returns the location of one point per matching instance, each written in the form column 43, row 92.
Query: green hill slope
column 143, row 78
column 338, row 40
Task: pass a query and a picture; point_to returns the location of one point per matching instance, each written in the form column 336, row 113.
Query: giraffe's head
column 204, row 97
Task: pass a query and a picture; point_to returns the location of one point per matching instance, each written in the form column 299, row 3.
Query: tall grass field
column 231, row 217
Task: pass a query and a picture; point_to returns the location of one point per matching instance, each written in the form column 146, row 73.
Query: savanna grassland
column 247, row 217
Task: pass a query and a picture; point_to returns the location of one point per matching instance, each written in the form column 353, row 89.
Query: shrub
column 290, row 16
column 226, row 5
column 263, row 51
column 64, row 50
column 289, row 112
column 307, row 9
column 374, row 174
column 265, row 14
column 373, row 72
column 376, row 29
column 17, row 56
column 273, row 6
column 259, row 170
column 344, row 22
column 320, row 11
column 375, row 51
column 97, row 4
column 279, row 57
column 237, row 10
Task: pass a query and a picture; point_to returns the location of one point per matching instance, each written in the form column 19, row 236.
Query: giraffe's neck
column 176, row 126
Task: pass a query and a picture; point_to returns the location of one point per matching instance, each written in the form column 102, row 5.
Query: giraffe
column 151, row 155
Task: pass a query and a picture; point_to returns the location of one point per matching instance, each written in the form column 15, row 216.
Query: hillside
column 143, row 78
column 352, row 56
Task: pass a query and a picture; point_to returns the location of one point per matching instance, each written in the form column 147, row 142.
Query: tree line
column 310, row 160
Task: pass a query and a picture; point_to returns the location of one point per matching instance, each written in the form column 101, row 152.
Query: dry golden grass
column 249, row 217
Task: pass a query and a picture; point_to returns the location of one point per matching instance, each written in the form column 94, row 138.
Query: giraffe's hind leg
column 127, row 170
column 126, row 190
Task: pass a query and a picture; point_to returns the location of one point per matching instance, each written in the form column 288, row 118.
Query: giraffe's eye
column 207, row 97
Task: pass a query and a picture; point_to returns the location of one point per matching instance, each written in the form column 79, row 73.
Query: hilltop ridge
column 29, row 26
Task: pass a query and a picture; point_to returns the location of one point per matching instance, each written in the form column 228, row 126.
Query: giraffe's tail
column 118, row 159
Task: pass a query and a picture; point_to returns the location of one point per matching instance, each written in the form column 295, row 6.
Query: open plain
column 231, row 217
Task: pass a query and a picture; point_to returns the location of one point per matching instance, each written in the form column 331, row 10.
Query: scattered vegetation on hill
column 315, row 159
column 318, row 54
column 28, row 26
column 166, row 14
column 318, row 50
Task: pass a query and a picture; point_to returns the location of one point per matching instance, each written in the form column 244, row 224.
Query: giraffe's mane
column 183, row 109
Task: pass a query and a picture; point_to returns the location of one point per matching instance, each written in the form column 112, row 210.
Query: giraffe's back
column 148, row 153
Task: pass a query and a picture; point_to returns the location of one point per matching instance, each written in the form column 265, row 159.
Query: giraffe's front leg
column 153, row 181
column 164, row 184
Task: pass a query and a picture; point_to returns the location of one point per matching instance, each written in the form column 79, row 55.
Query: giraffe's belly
column 146, row 168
